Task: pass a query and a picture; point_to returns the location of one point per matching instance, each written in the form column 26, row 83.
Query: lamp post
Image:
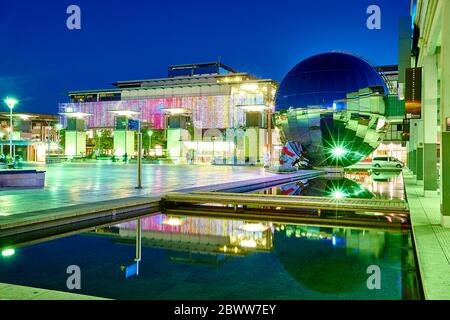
column 99, row 141
column 269, row 134
column 10, row 102
column 213, row 151
column 49, row 126
column 139, row 158
column 150, row 133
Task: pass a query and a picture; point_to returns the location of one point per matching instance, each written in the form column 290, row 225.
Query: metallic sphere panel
column 332, row 138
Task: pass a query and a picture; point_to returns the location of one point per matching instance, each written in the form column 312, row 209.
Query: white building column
column 445, row 115
column 429, row 116
column 419, row 152
column 413, row 146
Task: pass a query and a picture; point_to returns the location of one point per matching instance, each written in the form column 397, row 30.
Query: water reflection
column 239, row 237
column 208, row 235
column 366, row 185
column 383, row 184
column 194, row 257
column 318, row 257
column 329, row 260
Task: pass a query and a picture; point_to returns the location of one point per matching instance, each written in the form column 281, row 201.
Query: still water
column 368, row 185
column 188, row 257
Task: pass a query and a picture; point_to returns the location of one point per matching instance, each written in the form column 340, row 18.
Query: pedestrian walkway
column 432, row 241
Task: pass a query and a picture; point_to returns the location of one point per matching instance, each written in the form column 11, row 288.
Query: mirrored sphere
column 330, row 111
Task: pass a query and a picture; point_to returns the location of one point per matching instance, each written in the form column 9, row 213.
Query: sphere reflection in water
column 331, row 260
column 330, row 109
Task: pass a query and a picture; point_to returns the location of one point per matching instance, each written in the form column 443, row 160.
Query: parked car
column 387, row 162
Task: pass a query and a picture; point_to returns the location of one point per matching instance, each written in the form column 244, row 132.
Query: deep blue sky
column 40, row 59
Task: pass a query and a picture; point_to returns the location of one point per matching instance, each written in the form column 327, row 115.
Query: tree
column 62, row 138
column 157, row 138
column 104, row 141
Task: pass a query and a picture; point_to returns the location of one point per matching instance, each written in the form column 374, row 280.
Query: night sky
column 40, row 59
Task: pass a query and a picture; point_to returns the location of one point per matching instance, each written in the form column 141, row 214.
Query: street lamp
column 150, row 134
column 99, row 141
column 213, row 138
column 10, row 102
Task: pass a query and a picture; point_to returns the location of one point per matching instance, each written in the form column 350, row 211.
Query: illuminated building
column 30, row 135
column 392, row 144
column 209, row 113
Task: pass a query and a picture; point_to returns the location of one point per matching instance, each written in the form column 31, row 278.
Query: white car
column 387, row 162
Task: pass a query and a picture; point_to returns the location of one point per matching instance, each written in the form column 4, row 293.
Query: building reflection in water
column 318, row 257
column 208, row 235
column 239, row 238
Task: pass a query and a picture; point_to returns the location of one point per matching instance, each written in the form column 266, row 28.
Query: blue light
column 413, row 14
column 333, row 240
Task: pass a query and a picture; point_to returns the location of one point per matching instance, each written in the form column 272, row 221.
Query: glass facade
column 208, row 111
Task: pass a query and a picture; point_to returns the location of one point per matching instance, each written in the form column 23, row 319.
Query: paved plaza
column 77, row 183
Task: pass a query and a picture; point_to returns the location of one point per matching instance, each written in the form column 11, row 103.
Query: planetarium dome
column 330, row 111
column 321, row 79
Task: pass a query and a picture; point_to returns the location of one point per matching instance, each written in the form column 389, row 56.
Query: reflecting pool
column 188, row 257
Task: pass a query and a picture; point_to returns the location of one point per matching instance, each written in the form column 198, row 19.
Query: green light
column 8, row 252
column 150, row 133
column 11, row 102
column 339, row 152
column 58, row 126
column 338, row 194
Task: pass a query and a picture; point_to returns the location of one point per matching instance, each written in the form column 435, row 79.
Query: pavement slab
column 432, row 241
column 16, row 292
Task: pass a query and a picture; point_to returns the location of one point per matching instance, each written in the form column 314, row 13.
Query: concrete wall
column 123, row 143
column 75, row 143
column 24, row 179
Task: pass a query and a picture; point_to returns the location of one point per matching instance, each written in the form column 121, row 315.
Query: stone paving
column 432, row 241
column 77, row 183
column 15, row 292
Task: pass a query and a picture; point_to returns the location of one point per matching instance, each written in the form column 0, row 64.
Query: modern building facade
column 32, row 135
column 208, row 111
column 429, row 143
column 392, row 144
